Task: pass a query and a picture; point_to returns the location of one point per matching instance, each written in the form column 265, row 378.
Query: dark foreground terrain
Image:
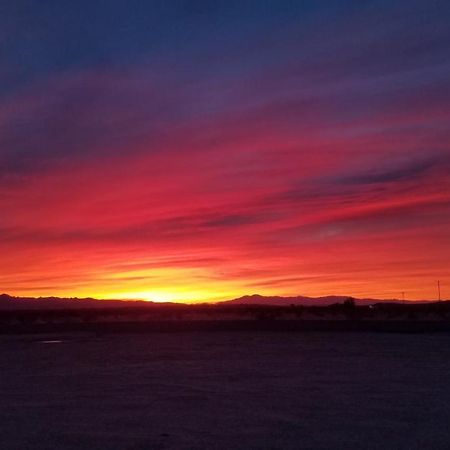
column 221, row 390
column 129, row 318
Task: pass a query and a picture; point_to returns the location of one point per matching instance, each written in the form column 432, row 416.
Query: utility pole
column 439, row 290
column 403, row 297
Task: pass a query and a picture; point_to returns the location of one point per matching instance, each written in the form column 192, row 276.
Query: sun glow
column 188, row 285
column 173, row 295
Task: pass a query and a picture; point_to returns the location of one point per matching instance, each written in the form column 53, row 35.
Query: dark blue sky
column 39, row 38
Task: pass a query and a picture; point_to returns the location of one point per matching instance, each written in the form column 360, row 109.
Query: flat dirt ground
column 217, row 390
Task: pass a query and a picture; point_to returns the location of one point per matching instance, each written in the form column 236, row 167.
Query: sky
column 193, row 150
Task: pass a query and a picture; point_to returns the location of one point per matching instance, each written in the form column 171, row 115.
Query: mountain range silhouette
column 8, row 302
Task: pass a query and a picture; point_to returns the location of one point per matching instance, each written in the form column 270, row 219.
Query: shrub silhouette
column 349, row 303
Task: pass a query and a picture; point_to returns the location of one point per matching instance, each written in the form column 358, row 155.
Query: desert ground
column 225, row 390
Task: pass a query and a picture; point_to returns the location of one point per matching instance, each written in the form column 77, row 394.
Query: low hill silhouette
column 8, row 302
column 256, row 299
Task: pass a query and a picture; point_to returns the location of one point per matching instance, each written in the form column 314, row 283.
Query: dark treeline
column 220, row 314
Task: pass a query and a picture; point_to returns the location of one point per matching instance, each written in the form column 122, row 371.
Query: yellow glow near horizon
column 172, row 295
column 167, row 285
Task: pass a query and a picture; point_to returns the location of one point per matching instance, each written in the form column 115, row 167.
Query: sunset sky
column 203, row 150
